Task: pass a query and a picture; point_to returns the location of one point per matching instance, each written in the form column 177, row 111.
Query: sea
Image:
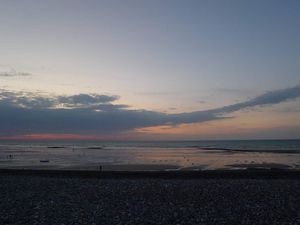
column 150, row 155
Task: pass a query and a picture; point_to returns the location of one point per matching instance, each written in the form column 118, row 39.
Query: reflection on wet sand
column 261, row 165
column 219, row 159
column 143, row 158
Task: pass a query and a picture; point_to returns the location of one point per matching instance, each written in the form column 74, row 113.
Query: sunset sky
column 149, row 69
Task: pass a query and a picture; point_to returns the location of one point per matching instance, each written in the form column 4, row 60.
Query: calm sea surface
column 160, row 155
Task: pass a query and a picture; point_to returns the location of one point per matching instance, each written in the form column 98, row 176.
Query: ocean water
column 155, row 155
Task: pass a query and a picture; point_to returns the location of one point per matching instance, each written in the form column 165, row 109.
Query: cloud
column 86, row 99
column 36, row 100
column 13, row 73
column 22, row 113
column 269, row 98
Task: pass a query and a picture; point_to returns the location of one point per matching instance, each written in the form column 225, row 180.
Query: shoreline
column 178, row 174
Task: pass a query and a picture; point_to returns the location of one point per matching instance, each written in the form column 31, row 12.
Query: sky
column 149, row 69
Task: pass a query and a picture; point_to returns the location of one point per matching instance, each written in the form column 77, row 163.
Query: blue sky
column 161, row 56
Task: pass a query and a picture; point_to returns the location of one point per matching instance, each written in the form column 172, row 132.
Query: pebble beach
column 73, row 200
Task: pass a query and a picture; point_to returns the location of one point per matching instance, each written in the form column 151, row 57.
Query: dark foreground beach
column 128, row 199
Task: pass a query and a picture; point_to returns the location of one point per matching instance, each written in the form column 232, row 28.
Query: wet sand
column 125, row 167
column 98, row 167
column 139, row 159
column 47, row 165
column 250, row 173
column 281, row 151
column 261, row 165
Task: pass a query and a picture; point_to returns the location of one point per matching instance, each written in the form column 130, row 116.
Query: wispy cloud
column 13, row 73
column 269, row 98
column 96, row 114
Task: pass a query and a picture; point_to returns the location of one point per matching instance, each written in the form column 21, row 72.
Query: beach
column 155, row 155
column 47, row 198
column 193, row 182
column 140, row 112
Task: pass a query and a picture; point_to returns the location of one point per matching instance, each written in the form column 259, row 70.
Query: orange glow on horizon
column 241, row 125
column 64, row 137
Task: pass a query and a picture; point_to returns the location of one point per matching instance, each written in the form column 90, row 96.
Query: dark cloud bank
column 22, row 112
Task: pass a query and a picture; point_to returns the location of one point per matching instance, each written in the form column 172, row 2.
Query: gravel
column 58, row 200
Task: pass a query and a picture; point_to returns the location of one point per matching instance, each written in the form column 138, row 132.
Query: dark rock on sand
column 55, row 147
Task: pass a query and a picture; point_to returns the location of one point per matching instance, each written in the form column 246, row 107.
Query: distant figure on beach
column 100, row 168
